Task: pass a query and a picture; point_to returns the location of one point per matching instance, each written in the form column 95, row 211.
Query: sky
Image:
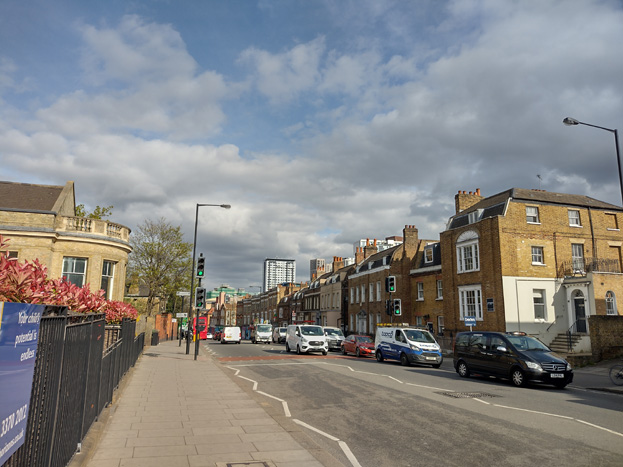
column 321, row 122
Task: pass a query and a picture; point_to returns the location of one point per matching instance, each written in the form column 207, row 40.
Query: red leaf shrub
column 24, row 282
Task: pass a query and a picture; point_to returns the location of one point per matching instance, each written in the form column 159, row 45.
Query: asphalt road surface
column 382, row 414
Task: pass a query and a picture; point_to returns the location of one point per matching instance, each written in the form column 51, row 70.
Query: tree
column 98, row 213
column 160, row 260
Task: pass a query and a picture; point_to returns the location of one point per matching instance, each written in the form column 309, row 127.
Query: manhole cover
column 467, row 395
column 150, row 354
column 247, row 464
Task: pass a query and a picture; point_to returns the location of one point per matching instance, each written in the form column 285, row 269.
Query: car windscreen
column 527, row 343
column 311, row 331
column 283, row 329
column 419, row 336
column 333, row 332
column 264, row 328
column 363, row 339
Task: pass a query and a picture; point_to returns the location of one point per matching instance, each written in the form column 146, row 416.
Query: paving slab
column 172, row 410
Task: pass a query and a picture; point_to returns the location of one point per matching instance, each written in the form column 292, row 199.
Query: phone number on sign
column 9, row 422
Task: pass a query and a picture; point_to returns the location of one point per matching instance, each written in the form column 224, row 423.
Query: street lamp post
column 192, row 283
column 256, row 287
column 572, row 122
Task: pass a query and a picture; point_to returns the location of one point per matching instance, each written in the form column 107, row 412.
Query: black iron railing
column 74, row 380
column 580, row 267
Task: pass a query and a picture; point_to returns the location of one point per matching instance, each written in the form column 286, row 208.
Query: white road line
column 351, row 457
column 480, row 400
column 533, row 411
column 320, row 432
column 599, row 427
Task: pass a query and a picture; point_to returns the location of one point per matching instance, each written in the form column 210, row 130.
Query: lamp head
column 226, row 206
column 570, row 121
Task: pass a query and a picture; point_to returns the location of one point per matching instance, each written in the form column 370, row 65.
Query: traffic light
column 390, row 284
column 200, row 297
column 397, row 310
column 201, row 264
column 388, row 307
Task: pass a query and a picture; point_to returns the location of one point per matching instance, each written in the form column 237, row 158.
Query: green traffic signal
column 201, row 263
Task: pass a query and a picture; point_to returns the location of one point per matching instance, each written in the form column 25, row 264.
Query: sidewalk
column 174, row 411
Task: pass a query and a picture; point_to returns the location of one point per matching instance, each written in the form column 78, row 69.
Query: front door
column 580, row 314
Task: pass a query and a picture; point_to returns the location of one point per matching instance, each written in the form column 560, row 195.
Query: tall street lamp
column 572, row 121
column 192, row 283
column 256, row 287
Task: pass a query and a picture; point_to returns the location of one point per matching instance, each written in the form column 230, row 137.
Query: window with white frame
column 577, row 256
column 611, row 304
column 352, row 295
column 363, row 293
column 356, row 294
column 439, row 289
column 538, row 299
column 74, row 270
column 378, row 291
column 537, row 255
column 420, row 290
column 532, row 215
column 440, row 325
column 371, row 290
column 467, row 252
column 470, row 301
column 108, row 271
column 428, row 255
column 574, row 218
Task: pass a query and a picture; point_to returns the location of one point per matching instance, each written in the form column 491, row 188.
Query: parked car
column 515, row 356
column 407, row 345
column 261, row 333
column 358, row 345
column 231, row 334
column 335, row 336
column 209, row 335
column 279, row 335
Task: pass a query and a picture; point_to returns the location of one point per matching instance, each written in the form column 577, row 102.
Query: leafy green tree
column 98, row 213
column 161, row 260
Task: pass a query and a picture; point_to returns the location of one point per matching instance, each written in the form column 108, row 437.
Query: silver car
column 335, row 336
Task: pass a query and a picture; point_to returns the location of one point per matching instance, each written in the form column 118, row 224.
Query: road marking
column 599, row 427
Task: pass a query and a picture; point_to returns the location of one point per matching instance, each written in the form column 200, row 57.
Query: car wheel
column 379, row 356
column 343, row 350
column 324, row 352
column 462, row 369
column 404, row 360
column 436, row 365
column 518, row 378
column 298, row 350
column 357, row 352
column 287, row 348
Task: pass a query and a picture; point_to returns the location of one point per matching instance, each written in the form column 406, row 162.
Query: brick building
column 532, row 261
column 40, row 223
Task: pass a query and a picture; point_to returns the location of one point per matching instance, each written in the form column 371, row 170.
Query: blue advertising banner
column 19, row 333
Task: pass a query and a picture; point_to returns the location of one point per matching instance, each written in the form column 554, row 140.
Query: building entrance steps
column 174, row 411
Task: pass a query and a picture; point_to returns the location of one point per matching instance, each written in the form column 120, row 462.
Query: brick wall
column 606, row 336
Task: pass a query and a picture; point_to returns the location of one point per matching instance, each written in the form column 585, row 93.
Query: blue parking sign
column 470, row 321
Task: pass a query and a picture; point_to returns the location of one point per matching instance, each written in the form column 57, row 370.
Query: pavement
column 171, row 410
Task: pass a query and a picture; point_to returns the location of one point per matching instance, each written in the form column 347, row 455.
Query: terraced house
column 532, row 261
column 40, row 223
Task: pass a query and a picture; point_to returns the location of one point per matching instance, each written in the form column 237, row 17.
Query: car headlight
column 415, row 347
column 569, row 367
column 534, row 366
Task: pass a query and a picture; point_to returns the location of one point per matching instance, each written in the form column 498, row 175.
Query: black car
column 515, row 356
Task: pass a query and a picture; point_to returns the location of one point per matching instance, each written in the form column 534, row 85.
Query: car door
column 478, row 354
column 500, row 361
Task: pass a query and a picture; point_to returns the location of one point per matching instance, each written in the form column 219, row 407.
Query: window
column 611, row 304
column 577, row 257
column 356, row 294
column 440, row 325
column 9, row 254
column 439, row 289
column 418, row 321
column 108, row 270
column 420, row 290
column 574, row 218
column 537, row 255
column 532, row 214
column 371, row 293
column 470, row 302
column 363, row 293
column 538, row 298
column 378, row 291
column 467, row 252
column 74, row 270
column 428, row 255
column 611, row 222
column 352, row 295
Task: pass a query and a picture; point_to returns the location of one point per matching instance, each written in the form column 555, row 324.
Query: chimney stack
column 463, row 200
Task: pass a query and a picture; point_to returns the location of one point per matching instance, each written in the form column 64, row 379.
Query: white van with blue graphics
column 407, row 345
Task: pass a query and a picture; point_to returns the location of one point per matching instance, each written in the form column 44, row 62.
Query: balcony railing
column 95, row 226
column 580, row 267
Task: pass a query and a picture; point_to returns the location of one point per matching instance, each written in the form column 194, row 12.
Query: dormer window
column 428, row 255
column 474, row 216
column 532, row 215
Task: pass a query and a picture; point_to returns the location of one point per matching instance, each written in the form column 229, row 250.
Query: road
column 382, row 414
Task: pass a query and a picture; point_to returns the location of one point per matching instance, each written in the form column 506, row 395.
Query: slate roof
column 27, row 197
column 496, row 205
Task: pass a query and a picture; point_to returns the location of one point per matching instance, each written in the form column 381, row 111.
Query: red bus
column 202, row 332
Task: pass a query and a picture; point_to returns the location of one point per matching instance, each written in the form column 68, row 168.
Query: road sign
column 181, row 315
column 182, row 294
column 470, row 321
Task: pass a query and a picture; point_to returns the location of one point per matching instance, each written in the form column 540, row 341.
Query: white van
column 306, row 338
column 262, row 333
column 407, row 345
column 279, row 334
column 231, row 334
